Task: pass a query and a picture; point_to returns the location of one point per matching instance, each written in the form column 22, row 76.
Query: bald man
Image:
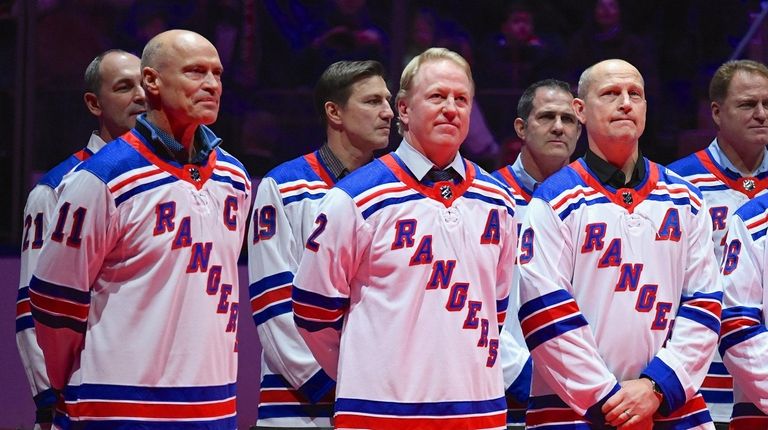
column 614, row 248
column 135, row 296
column 113, row 94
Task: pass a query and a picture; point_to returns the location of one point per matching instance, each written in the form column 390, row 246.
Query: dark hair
column 92, row 79
column 525, row 105
column 718, row 86
column 335, row 84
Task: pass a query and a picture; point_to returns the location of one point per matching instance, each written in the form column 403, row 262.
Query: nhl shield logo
column 627, row 197
column 446, row 192
column 194, row 173
column 749, row 184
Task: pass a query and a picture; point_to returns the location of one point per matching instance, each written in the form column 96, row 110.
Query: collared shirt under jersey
column 612, row 176
column 528, row 181
column 719, row 156
column 420, row 165
column 332, row 162
column 203, row 145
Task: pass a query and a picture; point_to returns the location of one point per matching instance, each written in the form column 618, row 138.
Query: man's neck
column 540, row 169
column 350, row 156
column 185, row 135
column 623, row 158
column 747, row 159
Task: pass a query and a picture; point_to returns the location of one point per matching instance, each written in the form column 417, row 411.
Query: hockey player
column 402, row 288
column 113, row 94
column 612, row 249
column 353, row 102
column 729, row 172
column 744, row 341
column 549, row 130
column 135, row 293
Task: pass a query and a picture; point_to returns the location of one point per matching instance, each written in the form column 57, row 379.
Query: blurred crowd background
column 273, row 51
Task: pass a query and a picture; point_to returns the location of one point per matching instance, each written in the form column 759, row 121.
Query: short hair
column 335, row 84
column 525, row 104
column 721, row 81
column 412, row 68
column 92, row 78
column 585, row 81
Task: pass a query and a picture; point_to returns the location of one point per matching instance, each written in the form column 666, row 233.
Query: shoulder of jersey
column 374, row 175
column 562, row 181
column 754, row 214
column 114, row 160
column 494, row 178
column 754, row 208
column 293, row 170
column 688, row 165
column 673, row 178
column 225, row 158
column 54, row 176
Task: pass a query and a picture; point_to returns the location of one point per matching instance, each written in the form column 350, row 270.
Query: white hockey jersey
column 724, row 191
column 744, row 341
column 295, row 391
column 516, row 361
column 38, row 213
column 603, row 273
column 135, row 294
column 401, row 292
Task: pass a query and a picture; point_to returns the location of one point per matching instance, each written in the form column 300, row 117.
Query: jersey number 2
column 312, row 244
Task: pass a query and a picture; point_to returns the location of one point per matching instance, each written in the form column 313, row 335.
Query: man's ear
column 715, row 114
column 149, row 80
column 578, row 109
column 402, row 111
column 332, row 113
column 92, row 103
column 520, row 128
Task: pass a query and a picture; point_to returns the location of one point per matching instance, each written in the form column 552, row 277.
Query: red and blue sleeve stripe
column 739, row 324
column 125, row 407
column 549, row 316
column 377, row 414
column 747, row 416
column 271, row 296
column 314, row 312
column 703, row 308
column 58, row 306
column 501, row 310
column 24, row 319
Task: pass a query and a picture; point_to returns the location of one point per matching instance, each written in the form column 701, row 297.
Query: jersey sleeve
column 681, row 365
column 744, row 338
column 81, row 234
column 274, row 249
column 38, row 212
column 558, row 336
column 322, row 285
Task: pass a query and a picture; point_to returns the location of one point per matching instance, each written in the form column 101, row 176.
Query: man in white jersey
column 744, row 341
column 353, row 102
column 549, row 130
column 135, row 294
column 113, row 94
column 729, row 172
column 613, row 247
column 403, row 285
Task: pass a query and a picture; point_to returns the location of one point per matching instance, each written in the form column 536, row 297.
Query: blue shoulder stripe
column 54, row 176
column 293, row 170
column 113, row 160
